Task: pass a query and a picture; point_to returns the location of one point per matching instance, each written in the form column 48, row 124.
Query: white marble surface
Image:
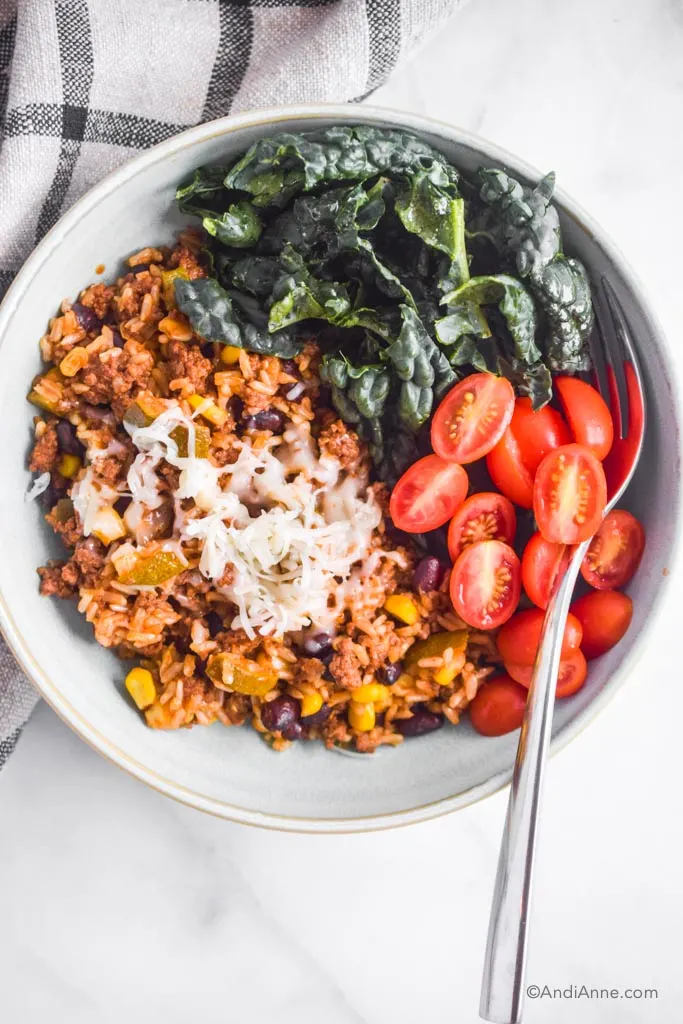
column 117, row 905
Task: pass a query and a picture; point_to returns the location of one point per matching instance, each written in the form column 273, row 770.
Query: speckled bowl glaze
column 231, row 772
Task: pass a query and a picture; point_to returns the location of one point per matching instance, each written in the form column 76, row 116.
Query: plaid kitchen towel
column 85, row 84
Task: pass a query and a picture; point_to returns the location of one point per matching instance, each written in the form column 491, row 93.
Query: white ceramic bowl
column 230, row 772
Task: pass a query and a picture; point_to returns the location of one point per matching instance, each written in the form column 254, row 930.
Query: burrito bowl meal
column 317, row 464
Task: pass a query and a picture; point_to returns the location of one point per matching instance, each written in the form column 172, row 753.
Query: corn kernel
column 168, row 280
column 311, row 704
column 230, row 355
column 207, row 408
column 361, row 716
column 403, row 607
column 74, row 361
column 140, row 685
column 446, row 675
column 371, row 693
column 69, row 465
column 176, row 327
column 159, row 716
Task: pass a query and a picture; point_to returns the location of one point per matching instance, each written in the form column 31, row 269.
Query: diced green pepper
column 435, row 645
column 248, row 677
column 152, row 571
column 202, row 441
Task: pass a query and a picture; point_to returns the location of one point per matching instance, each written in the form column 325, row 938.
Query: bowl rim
column 345, row 113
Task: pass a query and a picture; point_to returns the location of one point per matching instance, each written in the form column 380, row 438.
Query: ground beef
column 116, row 373
column 228, row 576
column 339, row 442
column 189, row 261
column 129, row 302
column 98, row 298
column 70, row 530
column 382, row 495
column 114, row 468
column 237, row 707
column 57, row 580
column 345, row 665
column 45, row 454
column 224, row 456
column 254, row 401
column 170, row 474
column 310, row 670
column 186, row 362
column 89, row 557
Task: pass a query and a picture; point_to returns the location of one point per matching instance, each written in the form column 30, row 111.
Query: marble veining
column 117, row 905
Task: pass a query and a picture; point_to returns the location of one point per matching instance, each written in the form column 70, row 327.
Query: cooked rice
column 119, row 340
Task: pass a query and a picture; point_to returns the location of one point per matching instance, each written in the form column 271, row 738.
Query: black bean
column 87, row 318
column 422, row 722
column 54, row 491
column 97, row 417
column 267, row 419
column 428, row 574
column 139, row 268
column 281, row 714
column 289, row 367
column 122, row 504
column 116, row 337
column 390, row 672
column 319, row 718
column 68, row 442
column 293, row 731
column 215, row 623
column 317, row 645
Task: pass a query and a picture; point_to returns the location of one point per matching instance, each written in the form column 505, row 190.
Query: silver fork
column 502, row 990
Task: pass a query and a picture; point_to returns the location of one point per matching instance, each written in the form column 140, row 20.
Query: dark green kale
column 205, row 186
column 525, row 227
column 364, row 229
column 359, row 394
column 564, row 292
column 277, row 168
column 211, row 311
column 513, row 301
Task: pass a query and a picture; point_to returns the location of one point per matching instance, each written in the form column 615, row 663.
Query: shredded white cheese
column 89, row 497
column 40, row 484
column 284, row 522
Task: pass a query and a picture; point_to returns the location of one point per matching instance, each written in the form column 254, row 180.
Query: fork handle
column 502, row 990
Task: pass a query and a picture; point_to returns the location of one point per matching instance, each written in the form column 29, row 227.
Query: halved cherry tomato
column 570, row 494
column 519, row 638
column 498, row 707
column 570, row 679
column 530, row 436
column 428, row 494
column 605, row 615
column 538, row 432
column 485, row 584
column 509, row 473
column 615, row 551
column 484, row 516
column 541, row 562
column 587, row 413
column 472, row 417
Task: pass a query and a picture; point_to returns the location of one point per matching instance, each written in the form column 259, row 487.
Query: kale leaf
column 211, row 311
column 205, row 186
column 276, row 168
column 525, row 227
column 239, row 226
column 513, row 301
column 359, row 394
column 564, row 293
